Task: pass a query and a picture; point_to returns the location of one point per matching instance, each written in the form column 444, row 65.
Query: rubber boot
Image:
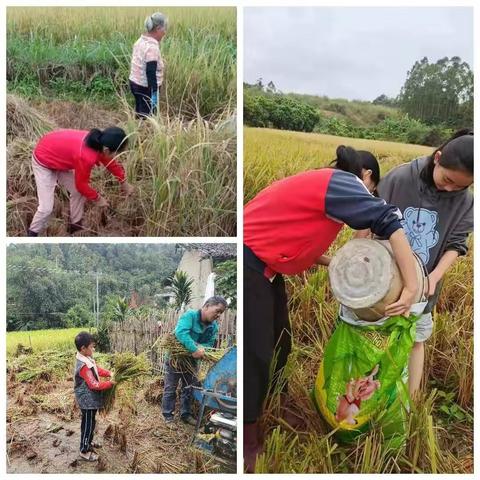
column 252, row 446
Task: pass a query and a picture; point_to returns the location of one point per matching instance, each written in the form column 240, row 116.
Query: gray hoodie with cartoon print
column 434, row 221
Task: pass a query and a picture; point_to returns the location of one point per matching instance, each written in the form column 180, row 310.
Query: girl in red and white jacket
column 66, row 158
column 287, row 228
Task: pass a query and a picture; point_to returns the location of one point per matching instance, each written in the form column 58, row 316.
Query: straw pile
column 24, row 121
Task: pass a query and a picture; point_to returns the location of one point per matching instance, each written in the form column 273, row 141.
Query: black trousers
column 267, row 334
column 86, row 429
column 143, row 100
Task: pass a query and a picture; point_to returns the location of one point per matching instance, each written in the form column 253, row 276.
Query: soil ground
column 43, row 432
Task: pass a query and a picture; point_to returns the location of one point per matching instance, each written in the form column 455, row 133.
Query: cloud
column 345, row 52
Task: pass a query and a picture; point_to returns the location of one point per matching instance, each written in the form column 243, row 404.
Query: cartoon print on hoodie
column 419, row 225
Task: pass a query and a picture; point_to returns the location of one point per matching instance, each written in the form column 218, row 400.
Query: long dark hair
column 353, row 161
column 457, row 154
column 114, row 138
column 368, row 161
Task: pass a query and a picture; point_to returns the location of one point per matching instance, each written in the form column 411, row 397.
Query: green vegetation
column 49, row 284
column 226, row 281
column 338, row 117
column 436, row 99
column 279, row 112
column 84, row 53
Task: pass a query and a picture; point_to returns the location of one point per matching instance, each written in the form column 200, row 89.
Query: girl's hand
column 101, row 202
column 403, row 305
column 126, row 189
column 324, row 260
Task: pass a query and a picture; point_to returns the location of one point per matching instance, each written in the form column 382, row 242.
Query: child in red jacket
column 67, row 157
column 88, row 392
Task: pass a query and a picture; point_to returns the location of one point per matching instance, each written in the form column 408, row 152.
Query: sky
column 346, row 52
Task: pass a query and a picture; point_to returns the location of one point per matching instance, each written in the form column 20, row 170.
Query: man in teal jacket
column 195, row 330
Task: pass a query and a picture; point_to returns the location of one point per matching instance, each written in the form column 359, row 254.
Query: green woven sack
column 362, row 379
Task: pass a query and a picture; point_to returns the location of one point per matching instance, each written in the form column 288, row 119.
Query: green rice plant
column 42, row 365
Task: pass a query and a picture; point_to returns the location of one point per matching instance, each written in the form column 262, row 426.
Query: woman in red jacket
column 66, row 158
column 287, row 228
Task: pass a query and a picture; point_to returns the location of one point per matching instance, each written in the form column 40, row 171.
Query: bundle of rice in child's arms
column 126, row 366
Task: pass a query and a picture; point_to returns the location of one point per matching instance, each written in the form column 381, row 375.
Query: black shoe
column 169, row 418
column 188, row 419
column 31, row 233
column 75, row 227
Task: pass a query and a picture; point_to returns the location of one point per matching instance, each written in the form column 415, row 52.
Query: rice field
column 66, row 71
column 440, row 430
column 43, row 419
column 184, row 175
column 39, row 340
column 84, row 53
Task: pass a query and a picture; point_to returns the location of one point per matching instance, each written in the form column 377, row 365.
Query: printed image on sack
column 363, row 375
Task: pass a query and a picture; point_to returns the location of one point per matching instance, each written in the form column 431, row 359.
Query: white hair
column 156, row 20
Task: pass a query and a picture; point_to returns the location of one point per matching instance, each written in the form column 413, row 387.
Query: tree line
column 55, row 285
column 436, row 98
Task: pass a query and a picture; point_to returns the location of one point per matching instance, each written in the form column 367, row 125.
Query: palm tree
column 121, row 309
column 182, row 289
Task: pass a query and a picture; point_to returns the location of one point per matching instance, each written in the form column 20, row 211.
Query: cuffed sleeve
column 151, row 72
column 104, row 373
column 457, row 241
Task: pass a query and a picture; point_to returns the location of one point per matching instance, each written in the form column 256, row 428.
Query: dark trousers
column 86, row 429
column 173, row 377
column 143, row 100
column 267, row 336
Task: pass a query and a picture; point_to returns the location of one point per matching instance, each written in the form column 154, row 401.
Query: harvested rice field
column 43, row 423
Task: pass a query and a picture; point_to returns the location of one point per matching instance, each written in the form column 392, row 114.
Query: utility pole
column 98, row 304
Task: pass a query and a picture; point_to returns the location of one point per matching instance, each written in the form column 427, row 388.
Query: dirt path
column 135, row 439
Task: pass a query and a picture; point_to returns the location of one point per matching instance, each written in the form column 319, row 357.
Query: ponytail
column 156, row 20
column 114, row 138
column 348, row 160
column 93, row 139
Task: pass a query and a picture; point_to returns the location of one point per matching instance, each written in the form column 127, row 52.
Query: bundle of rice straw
column 126, row 366
column 24, row 121
column 181, row 358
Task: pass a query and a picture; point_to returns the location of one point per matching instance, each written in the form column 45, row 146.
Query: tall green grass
column 440, row 430
column 84, row 53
